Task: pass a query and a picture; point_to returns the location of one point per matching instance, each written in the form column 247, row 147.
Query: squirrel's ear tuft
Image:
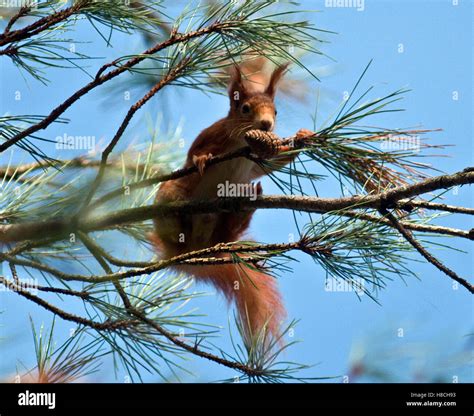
column 237, row 91
column 275, row 78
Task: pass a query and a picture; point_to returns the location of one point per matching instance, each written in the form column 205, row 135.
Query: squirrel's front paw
column 201, row 161
column 304, row 134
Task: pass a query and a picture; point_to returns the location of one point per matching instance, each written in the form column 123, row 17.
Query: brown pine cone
column 265, row 144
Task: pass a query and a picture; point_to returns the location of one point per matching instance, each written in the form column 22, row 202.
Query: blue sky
column 422, row 45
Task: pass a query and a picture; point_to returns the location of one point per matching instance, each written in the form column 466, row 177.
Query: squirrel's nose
column 266, row 125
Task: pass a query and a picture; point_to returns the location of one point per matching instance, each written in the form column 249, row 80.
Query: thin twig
column 22, row 12
column 41, row 24
column 14, row 272
column 13, row 172
column 58, row 290
column 195, row 350
column 411, row 204
column 89, row 244
column 92, row 245
column 425, row 228
column 100, row 326
column 428, row 256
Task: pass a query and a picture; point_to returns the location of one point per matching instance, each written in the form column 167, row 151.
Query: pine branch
column 173, row 74
column 49, row 289
column 409, row 225
column 389, row 199
column 175, row 340
column 121, row 324
column 100, row 326
column 225, row 24
column 100, row 79
column 198, row 352
column 40, row 25
column 333, row 206
column 351, row 241
column 179, row 173
column 195, row 257
column 415, row 204
column 68, row 362
column 428, row 256
column 24, row 10
column 14, row 172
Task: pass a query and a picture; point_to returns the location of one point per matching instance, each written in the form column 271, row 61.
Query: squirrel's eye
column 245, row 109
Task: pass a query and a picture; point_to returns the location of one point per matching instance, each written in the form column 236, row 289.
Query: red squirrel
column 258, row 302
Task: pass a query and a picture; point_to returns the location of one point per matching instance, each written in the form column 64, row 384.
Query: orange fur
column 254, row 293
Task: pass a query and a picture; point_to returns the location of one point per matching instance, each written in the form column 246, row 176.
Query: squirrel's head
column 255, row 108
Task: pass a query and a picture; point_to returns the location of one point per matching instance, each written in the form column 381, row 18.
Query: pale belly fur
column 236, row 171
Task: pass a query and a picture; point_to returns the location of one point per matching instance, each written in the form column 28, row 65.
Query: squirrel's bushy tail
column 254, row 293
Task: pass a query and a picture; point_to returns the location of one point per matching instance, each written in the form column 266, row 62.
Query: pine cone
column 263, row 143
